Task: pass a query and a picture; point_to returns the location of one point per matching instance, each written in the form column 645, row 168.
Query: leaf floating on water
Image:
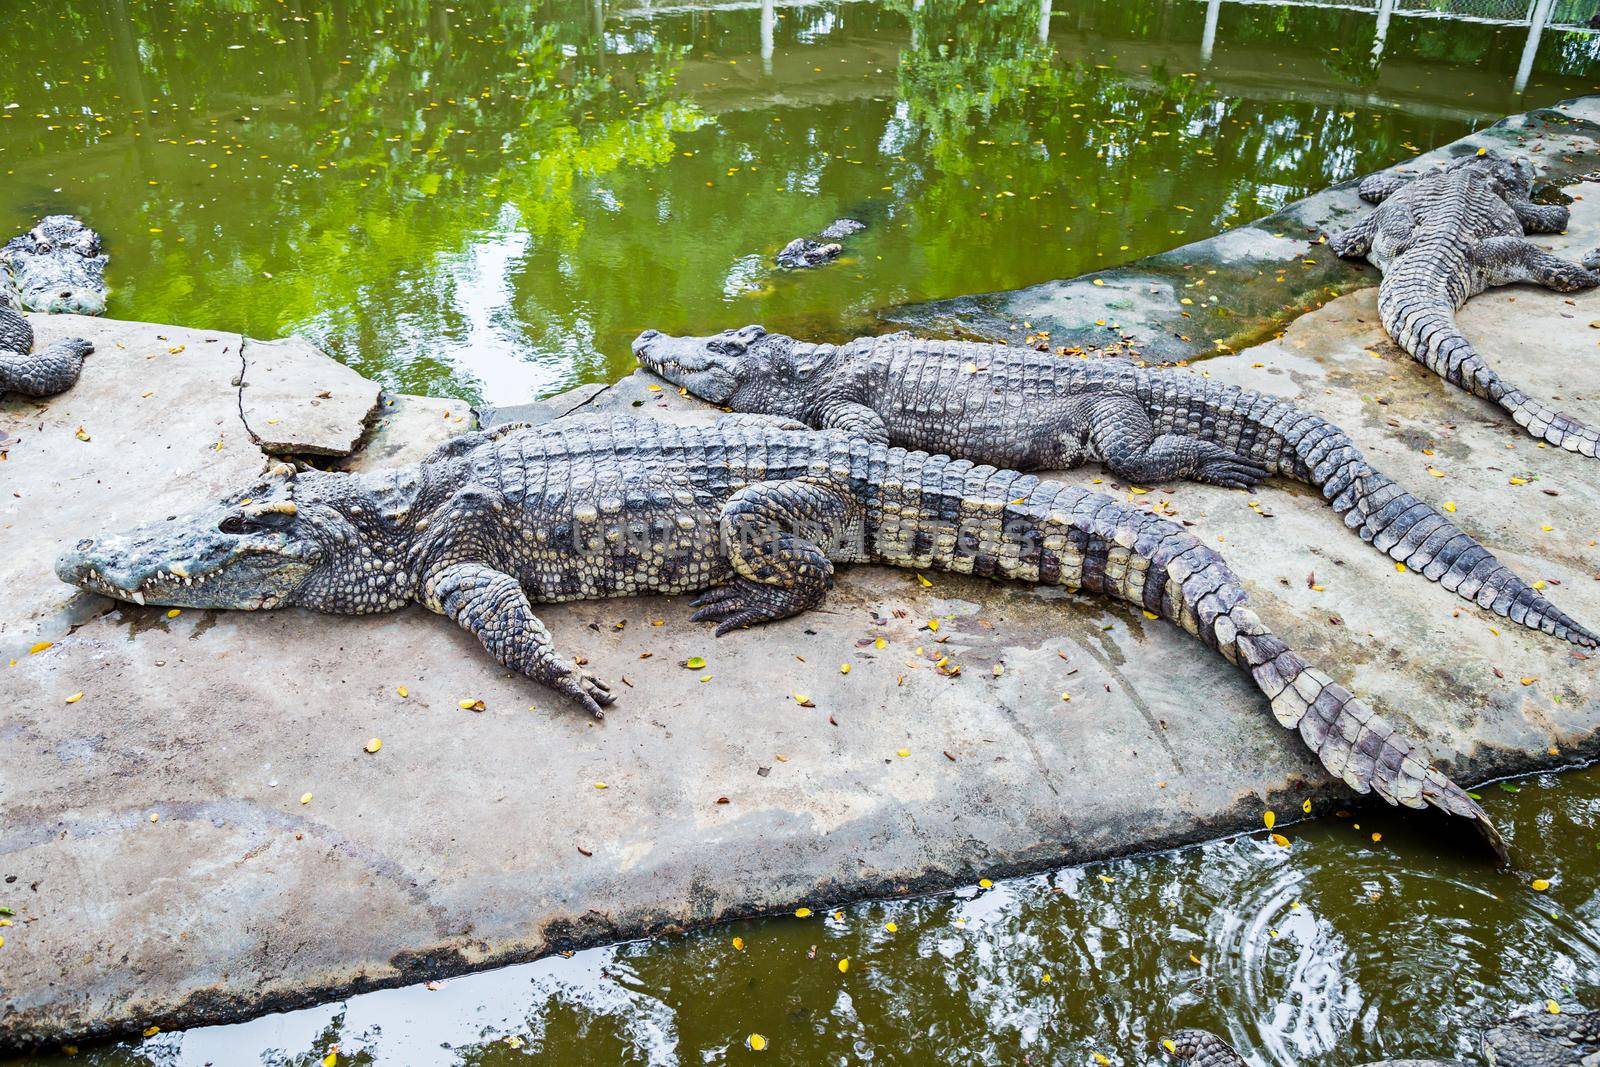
column 1100, row 1058
column 756, row 1043
column 802, row 913
column 1280, row 840
column 1376, row 837
column 738, row 944
column 1540, row 885
column 891, row 927
column 844, row 965
column 1194, row 959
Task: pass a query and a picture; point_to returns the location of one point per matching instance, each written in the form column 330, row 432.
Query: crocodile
column 803, row 252
column 56, row 266
column 752, row 514
column 52, row 369
column 1019, row 408
column 1535, row 1039
column 1442, row 238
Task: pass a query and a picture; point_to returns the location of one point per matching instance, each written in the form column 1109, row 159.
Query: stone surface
column 1241, row 284
column 297, row 401
column 472, row 839
column 408, row 426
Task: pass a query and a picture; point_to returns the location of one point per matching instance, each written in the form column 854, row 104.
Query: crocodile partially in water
column 751, row 515
column 1444, row 237
column 55, row 267
column 1015, row 407
column 1534, row 1039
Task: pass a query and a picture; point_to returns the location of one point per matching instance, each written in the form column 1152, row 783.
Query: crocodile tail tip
column 1445, row 795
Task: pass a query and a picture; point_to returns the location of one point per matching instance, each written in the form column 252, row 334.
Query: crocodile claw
column 594, row 694
column 1231, row 473
column 741, row 602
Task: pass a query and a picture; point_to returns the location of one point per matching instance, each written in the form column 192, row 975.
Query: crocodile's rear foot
column 1231, row 472
column 742, row 602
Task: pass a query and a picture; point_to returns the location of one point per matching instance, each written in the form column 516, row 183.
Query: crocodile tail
column 1188, row 583
column 1309, row 448
column 1427, row 329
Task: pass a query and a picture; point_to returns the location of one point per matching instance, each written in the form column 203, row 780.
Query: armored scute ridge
column 1015, row 407
column 750, row 514
column 1442, row 239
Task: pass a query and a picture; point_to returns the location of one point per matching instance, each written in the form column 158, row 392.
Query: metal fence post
column 1208, row 39
column 1536, row 21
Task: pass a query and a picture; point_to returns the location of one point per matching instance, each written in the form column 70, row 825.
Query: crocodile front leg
column 1540, row 218
column 1376, row 188
column 490, row 605
column 51, row 370
column 856, row 419
column 1504, row 260
column 773, row 533
column 1123, row 434
column 1355, row 242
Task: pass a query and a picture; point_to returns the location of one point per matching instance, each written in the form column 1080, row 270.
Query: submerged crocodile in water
column 751, row 515
column 1537, row 1039
column 56, row 266
column 1014, row 407
column 1443, row 238
column 805, row 252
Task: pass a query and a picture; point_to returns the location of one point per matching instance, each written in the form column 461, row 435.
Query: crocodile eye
column 234, row 524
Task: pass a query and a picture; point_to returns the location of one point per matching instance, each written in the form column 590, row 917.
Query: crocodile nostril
column 86, row 544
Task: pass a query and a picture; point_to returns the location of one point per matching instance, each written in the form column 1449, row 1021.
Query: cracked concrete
column 164, row 870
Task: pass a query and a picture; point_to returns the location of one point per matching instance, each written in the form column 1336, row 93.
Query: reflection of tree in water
column 397, row 133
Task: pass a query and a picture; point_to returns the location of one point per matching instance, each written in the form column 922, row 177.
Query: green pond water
column 490, row 201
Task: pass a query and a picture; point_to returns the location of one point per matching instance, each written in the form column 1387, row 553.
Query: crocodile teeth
column 137, row 597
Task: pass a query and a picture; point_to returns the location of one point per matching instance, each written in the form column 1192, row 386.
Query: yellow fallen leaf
column 695, row 663
column 40, row 647
column 1194, row 959
column 1107, row 879
column 402, row 692
column 844, row 668
column 1097, row 281
column 331, row 1060
column 1540, row 884
column 1450, row 506
column 74, row 698
column 1376, row 838
column 738, row 944
column 984, row 883
column 902, row 752
column 844, row 965
column 470, row 704
column 1270, row 818
column 1305, row 805
column 1167, row 1044
column 1151, row 615
column 1519, row 481
column 891, row 927
column 933, row 624
column 1100, row 1058
column 374, row 744
column 804, row 701
column 879, row 643
column 1552, row 1007
column 305, row 798
column 1280, row 840
column 151, row 1031
column 1401, row 567
column 802, row 913
column 756, row 1043
column 601, row 785
column 924, row 582
column 1528, row 681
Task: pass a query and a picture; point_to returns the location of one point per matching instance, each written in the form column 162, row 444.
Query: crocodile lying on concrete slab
column 1538, row 1039
column 1441, row 239
column 57, row 266
column 803, row 252
column 751, row 514
column 1014, row 407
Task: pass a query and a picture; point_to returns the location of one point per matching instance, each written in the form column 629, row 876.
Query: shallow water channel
column 490, row 200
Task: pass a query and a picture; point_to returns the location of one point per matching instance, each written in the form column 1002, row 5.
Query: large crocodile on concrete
column 751, row 514
column 56, row 266
column 1538, row 1039
column 1014, row 407
column 1441, row 239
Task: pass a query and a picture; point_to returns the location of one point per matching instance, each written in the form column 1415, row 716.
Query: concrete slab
column 1243, row 284
column 406, row 427
column 297, row 401
column 164, row 870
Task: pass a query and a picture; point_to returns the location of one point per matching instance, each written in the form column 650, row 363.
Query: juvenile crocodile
column 1014, row 407
column 1443, row 238
column 751, row 515
column 57, row 266
column 804, row 252
column 1532, row 1040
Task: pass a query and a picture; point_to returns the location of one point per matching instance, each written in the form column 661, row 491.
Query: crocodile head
column 334, row 542
column 1511, row 175
column 747, row 369
column 57, row 267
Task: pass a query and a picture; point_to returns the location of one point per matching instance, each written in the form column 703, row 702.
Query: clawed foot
column 1231, row 472
column 1348, row 244
column 1570, row 278
column 587, row 690
column 742, row 603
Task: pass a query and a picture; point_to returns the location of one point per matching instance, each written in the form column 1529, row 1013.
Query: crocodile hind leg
column 1504, row 260
column 51, row 370
column 1376, row 188
column 774, row 535
column 490, row 605
column 1123, row 434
